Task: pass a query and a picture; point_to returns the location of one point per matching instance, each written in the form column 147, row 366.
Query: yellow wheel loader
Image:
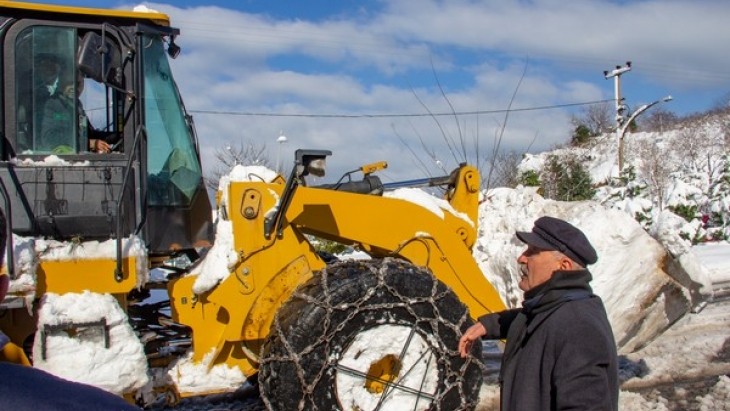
column 376, row 333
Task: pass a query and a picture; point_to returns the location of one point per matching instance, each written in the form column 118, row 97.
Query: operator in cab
column 62, row 107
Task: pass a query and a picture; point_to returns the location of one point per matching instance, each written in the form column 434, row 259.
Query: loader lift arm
column 385, row 227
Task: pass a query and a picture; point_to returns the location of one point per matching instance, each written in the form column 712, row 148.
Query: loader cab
column 72, row 76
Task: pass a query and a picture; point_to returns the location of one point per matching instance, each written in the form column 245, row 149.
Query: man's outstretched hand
column 473, row 333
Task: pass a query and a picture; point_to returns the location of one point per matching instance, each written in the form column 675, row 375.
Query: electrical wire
column 395, row 115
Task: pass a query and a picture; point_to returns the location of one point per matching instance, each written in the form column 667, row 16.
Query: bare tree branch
column 506, row 117
column 435, row 119
column 451, row 106
column 419, row 163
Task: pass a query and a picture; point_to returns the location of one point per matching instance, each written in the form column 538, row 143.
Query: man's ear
column 566, row 264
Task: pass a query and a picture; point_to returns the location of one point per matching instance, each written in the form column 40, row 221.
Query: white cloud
column 367, row 62
column 672, row 37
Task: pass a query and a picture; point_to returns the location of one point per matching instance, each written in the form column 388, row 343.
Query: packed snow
column 371, row 346
column 203, row 377
column 106, row 351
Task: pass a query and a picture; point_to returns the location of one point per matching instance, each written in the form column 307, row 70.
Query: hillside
column 674, row 179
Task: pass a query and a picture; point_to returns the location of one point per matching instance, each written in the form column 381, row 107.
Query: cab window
column 174, row 171
column 45, row 119
column 54, row 113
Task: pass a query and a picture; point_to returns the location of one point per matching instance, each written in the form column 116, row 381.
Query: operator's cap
column 550, row 233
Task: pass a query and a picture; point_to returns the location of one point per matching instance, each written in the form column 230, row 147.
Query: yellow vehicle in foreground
column 380, row 333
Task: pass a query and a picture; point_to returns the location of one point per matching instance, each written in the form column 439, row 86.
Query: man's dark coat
column 560, row 352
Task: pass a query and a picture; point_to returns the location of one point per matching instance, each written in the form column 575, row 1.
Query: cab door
column 58, row 186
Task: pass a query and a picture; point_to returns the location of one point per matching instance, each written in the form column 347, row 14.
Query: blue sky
column 415, row 56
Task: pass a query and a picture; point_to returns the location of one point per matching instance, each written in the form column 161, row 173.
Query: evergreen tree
column 581, row 135
column 566, row 179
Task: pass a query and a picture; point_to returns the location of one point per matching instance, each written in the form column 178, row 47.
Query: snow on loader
column 246, row 293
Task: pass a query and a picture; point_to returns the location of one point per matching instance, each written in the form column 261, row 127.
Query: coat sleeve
column 497, row 324
column 585, row 361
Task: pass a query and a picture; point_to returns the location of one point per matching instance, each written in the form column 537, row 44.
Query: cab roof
column 152, row 16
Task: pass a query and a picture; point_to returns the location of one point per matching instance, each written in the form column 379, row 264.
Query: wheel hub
column 387, row 366
column 382, row 373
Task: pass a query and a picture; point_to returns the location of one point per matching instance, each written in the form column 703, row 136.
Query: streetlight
column 621, row 131
column 280, row 141
column 233, row 155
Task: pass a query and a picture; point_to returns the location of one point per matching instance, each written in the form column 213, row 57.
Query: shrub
column 530, row 178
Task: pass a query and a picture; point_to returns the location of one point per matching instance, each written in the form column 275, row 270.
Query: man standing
column 560, row 352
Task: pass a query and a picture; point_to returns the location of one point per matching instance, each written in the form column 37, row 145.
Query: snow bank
column 642, row 300
column 204, row 377
column 83, row 353
column 713, row 258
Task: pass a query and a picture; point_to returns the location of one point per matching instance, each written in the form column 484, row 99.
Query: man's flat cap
column 550, row 233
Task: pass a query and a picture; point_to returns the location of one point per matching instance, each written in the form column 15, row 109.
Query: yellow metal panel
column 398, row 228
column 75, row 276
column 233, row 318
column 156, row 17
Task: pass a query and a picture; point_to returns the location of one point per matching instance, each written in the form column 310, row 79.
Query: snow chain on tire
column 312, row 357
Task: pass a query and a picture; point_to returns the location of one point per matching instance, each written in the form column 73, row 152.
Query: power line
column 458, row 113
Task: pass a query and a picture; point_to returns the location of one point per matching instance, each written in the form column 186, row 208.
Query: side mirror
column 311, row 162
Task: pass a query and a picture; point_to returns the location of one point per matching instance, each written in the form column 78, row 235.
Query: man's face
column 537, row 266
column 48, row 71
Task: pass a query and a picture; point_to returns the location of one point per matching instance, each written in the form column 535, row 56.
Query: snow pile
column 642, row 300
column 202, row 377
column 676, row 183
column 433, row 204
column 49, row 161
column 73, row 343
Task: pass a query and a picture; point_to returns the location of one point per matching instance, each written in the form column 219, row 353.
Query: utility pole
column 622, row 122
column 620, row 108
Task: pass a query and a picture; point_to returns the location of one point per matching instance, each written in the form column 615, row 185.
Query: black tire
column 377, row 318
